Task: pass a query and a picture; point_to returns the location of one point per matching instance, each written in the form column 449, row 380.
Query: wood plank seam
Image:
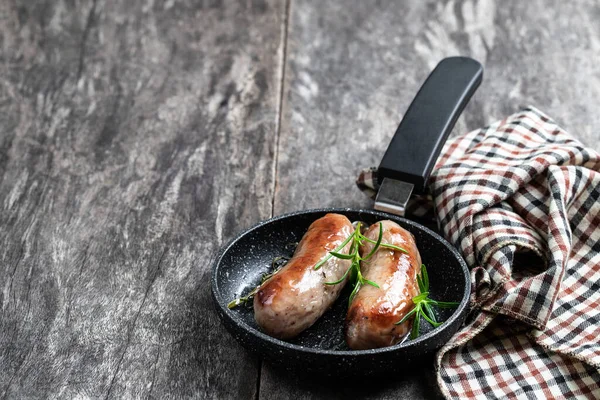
column 285, row 31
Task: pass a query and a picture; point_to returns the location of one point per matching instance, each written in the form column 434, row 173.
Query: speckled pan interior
column 321, row 349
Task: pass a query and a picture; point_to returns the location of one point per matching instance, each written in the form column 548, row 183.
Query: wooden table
column 136, row 137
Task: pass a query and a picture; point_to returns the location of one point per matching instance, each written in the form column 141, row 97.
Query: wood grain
column 352, row 69
column 135, row 138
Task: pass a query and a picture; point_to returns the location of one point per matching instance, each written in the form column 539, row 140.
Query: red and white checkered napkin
column 520, row 199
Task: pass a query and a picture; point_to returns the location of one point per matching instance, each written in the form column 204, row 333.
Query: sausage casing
column 295, row 297
column 374, row 311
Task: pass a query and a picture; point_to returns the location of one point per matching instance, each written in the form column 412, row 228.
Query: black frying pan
column 410, row 157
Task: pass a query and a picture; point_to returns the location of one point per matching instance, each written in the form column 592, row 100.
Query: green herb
column 423, row 305
column 242, row 300
column 263, row 279
column 356, row 277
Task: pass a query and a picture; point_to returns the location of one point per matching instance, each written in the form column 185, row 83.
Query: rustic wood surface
column 137, row 136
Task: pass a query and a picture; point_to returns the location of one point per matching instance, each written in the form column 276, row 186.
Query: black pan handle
column 417, row 143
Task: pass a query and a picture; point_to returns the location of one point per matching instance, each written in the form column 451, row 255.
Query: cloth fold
column 519, row 199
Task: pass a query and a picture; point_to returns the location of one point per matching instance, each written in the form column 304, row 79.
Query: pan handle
column 417, row 143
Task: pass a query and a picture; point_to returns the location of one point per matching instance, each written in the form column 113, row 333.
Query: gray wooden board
column 352, row 69
column 136, row 137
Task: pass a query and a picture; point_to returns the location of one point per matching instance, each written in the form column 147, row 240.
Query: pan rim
column 221, row 302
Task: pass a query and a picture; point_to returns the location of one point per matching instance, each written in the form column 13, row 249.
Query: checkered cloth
column 520, row 199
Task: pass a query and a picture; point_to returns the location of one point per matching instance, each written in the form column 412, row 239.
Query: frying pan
column 405, row 167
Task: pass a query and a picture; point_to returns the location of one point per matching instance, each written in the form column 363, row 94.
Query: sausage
column 374, row 311
column 295, row 297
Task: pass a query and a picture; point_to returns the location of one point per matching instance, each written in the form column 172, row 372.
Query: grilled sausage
column 294, row 298
column 373, row 311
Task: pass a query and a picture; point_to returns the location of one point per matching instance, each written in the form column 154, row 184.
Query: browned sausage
column 373, row 311
column 294, row 298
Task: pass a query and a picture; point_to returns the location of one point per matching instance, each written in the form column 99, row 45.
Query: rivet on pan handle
column 416, row 145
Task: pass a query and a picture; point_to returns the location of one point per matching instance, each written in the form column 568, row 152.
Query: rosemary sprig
column 242, row 300
column 263, row 279
column 356, row 277
column 423, row 305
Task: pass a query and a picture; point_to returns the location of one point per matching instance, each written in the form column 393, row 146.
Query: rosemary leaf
column 336, row 250
column 343, row 256
column 407, row 316
column 354, row 291
column 414, row 333
column 341, row 279
column 425, row 278
column 444, row 304
column 393, row 247
column 371, row 283
column 424, row 305
column 377, row 244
